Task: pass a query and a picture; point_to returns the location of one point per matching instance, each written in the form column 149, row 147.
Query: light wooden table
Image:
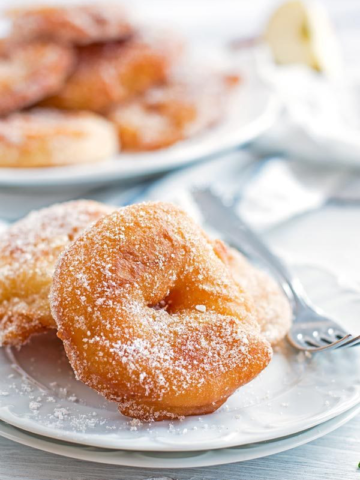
column 333, row 457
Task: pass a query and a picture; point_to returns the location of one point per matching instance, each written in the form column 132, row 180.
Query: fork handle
column 243, row 238
column 237, row 231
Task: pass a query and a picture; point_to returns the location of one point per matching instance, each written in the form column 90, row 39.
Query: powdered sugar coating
column 29, row 250
column 124, row 298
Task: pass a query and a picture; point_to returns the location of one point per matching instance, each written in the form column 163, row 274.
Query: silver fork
column 311, row 330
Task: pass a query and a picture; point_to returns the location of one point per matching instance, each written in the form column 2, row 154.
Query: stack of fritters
column 153, row 314
column 106, row 80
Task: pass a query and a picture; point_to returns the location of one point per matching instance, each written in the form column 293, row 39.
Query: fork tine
column 322, row 345
column 319, row 348
column 338, row 344
column 312, row 331
column 351, row 343
column 334, row 345
column 311, row 342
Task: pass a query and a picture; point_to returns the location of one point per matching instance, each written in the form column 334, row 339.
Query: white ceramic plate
column 176, row 460
column 253, row 110
column 38, row 392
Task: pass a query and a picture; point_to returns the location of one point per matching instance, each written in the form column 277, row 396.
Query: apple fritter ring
column 151, row 317
column 31, row 72
column 167, row 114
column 78, row 25
column 29, row 250
column 142, row 129
column 45, row 138
column 111, row 73
column 271, row 308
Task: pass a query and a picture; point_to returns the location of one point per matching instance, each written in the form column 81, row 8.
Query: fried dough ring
column 29, row 73
column 169, row 113
column 78, row 25
column 111, row 73
column 142, row 129
column 46, row 138
column 151, row 318
column 29, row 250
column 271, row 308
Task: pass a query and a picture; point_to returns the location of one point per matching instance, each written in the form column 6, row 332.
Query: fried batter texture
column 29, row 250
column 151, row 318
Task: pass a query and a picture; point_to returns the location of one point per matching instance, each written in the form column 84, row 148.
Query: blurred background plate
column 253, row 110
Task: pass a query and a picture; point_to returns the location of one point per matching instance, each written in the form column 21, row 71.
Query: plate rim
column 250, row 131
column 255, row 450
column 110, row 442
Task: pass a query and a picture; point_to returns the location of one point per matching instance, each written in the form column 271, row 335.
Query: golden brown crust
column 110, row 73
column 271, row 308
column 151, row 318
column 31, row 72
column 29, row 250
column 45, row 138
column 79, row 25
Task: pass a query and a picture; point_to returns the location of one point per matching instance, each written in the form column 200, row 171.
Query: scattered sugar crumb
column 134, row 424
column 34, row 406
column 61, row 413
column 201, row 308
